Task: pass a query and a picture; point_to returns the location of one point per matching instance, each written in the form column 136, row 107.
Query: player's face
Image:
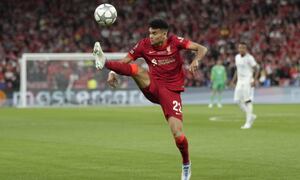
column 157, row 36
column 242, row 49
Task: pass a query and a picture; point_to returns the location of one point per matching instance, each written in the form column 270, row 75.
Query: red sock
column 122, row 68
column 183, row 146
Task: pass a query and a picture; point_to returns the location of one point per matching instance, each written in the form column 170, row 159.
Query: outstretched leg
column 139, row 74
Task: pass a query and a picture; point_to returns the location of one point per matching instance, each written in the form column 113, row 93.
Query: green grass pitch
column 135, row 143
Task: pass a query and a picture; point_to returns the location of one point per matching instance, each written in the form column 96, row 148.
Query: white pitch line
column 219, row 118
column 261, row 117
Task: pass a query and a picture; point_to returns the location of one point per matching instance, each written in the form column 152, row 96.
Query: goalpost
column 70, row 79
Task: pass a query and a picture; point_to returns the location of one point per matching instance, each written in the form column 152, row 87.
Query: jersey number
column 177, row 106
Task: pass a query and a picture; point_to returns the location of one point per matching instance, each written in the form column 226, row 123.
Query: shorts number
column 177, row 106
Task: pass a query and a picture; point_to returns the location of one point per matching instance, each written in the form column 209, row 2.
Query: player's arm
column 233, row 80
column 256, row 69
column 200, row 53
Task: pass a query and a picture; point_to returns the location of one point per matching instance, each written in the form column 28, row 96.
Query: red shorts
column 170, row 101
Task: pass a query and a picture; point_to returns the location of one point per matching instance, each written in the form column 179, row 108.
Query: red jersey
column 165, row 62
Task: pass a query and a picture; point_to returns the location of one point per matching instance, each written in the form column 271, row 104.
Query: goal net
column 71, row 79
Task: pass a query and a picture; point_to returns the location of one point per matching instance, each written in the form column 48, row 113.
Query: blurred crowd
column 270, row 27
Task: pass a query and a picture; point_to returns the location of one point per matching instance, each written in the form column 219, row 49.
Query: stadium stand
column 271, row 28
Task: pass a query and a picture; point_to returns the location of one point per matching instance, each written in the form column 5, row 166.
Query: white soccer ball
column 105, row 14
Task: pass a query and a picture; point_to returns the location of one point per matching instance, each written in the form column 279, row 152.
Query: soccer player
column 218, row 77
column 164, row 81
column 244, row 90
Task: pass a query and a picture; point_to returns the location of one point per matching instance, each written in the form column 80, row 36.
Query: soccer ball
column 105, row 14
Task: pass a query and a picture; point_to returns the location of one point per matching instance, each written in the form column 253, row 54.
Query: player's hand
column 112, row 79
column 254, row 83
column 194, row 66
column 232, row 84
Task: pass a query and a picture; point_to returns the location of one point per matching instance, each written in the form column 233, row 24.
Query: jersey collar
column 163, row 46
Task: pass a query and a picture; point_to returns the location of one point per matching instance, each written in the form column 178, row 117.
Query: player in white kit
column 244, row 90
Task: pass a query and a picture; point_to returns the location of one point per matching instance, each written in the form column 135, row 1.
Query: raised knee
column 134, row 69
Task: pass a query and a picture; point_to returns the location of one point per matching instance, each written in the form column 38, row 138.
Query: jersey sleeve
column 136, row 51
column 252, row 61
column 181, row 42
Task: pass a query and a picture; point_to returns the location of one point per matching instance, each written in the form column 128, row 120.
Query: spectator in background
column 271, row 27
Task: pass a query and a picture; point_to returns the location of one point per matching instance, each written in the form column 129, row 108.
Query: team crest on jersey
column 154, row 62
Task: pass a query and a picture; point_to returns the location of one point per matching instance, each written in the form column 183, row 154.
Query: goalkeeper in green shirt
column 218, row 78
